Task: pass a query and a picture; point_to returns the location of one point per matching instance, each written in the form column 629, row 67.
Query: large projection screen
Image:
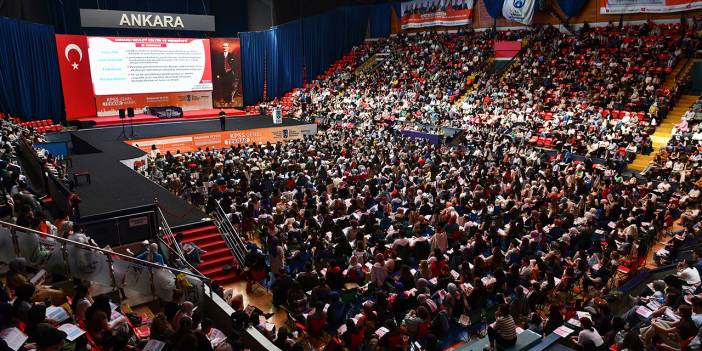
column 148, row 72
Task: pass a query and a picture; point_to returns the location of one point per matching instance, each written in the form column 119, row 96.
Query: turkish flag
column 78, row 97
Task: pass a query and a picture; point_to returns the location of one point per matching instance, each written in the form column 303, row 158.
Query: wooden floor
column 260, row 298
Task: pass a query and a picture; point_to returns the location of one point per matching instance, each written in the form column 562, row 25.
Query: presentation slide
column 123, row 65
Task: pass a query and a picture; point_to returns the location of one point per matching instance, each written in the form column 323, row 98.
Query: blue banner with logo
column 521, row 11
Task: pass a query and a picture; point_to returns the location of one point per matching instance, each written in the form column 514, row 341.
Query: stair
column 208, row 238
column 664, row 132
column 685, row 65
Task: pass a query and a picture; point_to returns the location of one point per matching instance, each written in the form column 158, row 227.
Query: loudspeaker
column 130, row 112
column 121, row 113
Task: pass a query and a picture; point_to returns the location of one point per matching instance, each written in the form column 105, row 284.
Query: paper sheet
column 14, row 338
column 72, row 331
column 563, row 331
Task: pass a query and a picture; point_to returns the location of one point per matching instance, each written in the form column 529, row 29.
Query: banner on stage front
column 431, row 13
column 219, row 140
column 521, row 11
column 647, row 6
column 109, row 105
column 225, row 54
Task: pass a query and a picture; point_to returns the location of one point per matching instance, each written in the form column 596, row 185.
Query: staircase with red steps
column 208, row 238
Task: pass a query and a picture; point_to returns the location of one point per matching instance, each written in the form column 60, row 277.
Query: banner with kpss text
column 220, row 140
column 431, row 13
column 647, row 6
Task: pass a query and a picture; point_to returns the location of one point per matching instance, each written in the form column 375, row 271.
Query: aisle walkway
column 664, row 131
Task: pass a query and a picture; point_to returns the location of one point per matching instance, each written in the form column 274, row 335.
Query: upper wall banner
column 521, row 11
column 647, row 6
column 145, row 20
column 430, row 13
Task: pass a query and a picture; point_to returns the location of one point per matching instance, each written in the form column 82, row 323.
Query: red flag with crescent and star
column 78, row 97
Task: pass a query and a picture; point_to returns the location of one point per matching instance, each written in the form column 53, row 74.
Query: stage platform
column 114, row 186
column 102, row 121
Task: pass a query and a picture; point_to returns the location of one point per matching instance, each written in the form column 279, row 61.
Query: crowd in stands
column 433, row 236
column 682, row 157
column 48, row 311
column 372, row 241
column 376, row 240
column 599, row 91
column 417, row 79
column 36, row 316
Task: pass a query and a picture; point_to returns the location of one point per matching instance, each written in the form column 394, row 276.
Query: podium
column 277, row 116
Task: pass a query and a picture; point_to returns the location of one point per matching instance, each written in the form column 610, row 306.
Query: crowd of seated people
column 681, row 158
column 418, row 79
column 44, row 311
column 599, row 91
column 434, row 238
column 36, row 316
column 437, row 238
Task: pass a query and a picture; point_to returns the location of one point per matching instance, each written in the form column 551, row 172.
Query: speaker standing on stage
column 222, row 119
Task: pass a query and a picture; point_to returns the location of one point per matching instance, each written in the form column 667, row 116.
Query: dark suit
column 222, row 120
column 224, row 69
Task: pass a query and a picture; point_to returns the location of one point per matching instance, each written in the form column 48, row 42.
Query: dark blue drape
column 494, row 7
column 285, row 59
column 253, row 57
column 30, row 86
column 397, row 6
column 571, row 7
column 327, row 37
column 315, row 41
column 380, row 20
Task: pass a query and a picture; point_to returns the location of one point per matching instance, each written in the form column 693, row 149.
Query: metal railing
column 167, row 238
column 70, row 258
column 231, row 237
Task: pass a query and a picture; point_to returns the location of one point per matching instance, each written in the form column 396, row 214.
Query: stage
column 102, row 121
column 115, row 186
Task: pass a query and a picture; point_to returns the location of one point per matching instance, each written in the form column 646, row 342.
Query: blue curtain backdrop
column 285, row 59
column 322, row 46
column 571, row 7
column 494, row 7
column 30, row 86
column 380, row 20
column 397, row 6
column 253, row 57
column 315, row 41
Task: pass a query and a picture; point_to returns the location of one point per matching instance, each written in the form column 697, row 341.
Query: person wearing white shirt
column 689, row 274
column 588, row 334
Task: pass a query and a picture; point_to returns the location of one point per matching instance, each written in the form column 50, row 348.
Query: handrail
column 230, row 234
column 168, row 232
column 104, row 251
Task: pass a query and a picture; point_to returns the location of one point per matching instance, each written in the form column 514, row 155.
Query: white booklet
column 563, row 331
column 14, row 338
column 154, row 345
column 644, row 312
column 72, row 331
column 56, row 314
